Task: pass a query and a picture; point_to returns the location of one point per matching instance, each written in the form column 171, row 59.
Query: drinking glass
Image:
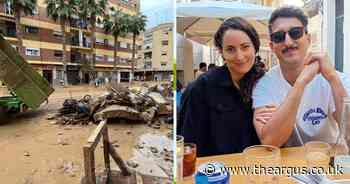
column 262, row 161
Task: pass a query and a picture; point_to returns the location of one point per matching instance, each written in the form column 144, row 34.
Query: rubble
column 136, row 103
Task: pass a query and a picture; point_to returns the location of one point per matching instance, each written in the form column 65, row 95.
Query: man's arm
column 339, row 93
column 278, row 129
column 330, row 74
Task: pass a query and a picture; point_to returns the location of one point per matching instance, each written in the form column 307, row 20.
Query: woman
column 217, row 113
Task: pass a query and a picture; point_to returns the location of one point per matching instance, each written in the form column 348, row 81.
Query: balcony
column 80, row 24
column 84, row 43
column 8, row 29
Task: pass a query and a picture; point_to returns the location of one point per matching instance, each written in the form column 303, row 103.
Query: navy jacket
column 214, row 116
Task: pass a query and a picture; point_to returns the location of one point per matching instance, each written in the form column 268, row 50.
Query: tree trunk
column 115, row 53
column 19, row 32
column 133, row 56
column 116, row 58
column 63, row 27
column 93, row 46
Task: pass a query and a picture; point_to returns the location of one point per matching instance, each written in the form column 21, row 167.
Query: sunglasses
column 294, row 33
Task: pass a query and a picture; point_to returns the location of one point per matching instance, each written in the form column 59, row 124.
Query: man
column 202, row 69
column 211, row 66
column 305, row 87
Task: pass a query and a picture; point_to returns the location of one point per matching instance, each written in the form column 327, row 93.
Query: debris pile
column 138, row 103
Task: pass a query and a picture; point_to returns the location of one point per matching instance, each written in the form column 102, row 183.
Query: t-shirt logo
column 315, row 116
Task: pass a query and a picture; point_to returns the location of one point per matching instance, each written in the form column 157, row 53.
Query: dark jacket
column 214, row 116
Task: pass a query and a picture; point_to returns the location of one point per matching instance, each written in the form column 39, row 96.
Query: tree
column 117, row 25
column 137, row 25
column 89, row 10
column 62, row 11
column 20, row 7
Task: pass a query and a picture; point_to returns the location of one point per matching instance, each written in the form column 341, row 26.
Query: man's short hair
column 211, row 66
column 202, row 65
column 288, row 12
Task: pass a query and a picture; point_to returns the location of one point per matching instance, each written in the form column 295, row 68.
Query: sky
column 157, row 11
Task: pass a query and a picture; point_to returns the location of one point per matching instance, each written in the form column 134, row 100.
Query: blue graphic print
column 314, row 116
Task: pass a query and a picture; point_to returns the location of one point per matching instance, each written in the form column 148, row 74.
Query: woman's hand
column 263, row 115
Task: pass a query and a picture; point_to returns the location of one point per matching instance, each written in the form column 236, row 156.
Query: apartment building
column 43, row 49
column 157, row 54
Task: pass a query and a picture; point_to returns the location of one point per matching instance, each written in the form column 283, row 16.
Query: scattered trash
column 26, row 153
column 153, row 156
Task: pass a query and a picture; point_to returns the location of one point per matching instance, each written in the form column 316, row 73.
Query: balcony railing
column 75, row 42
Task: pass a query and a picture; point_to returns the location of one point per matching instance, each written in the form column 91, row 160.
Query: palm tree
column 90, row 10
column 62, row 11
column 117, row 25
column 20, row 7
column 137, row 25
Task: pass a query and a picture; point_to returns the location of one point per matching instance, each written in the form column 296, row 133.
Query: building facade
column 336, row 23
column 43, row 49
column 157, row 54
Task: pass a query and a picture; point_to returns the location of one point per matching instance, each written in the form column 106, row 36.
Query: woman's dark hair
column 247, row 83
column 288, row 12
column 178, row 85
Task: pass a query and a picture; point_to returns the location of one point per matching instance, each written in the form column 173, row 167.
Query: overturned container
column 21, row 79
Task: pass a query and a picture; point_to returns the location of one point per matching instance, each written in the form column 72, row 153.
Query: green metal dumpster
column 19, row 77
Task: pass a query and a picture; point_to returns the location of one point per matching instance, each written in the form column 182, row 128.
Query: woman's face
column 238, row 52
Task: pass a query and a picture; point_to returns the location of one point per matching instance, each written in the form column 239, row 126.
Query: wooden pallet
column 109, row 176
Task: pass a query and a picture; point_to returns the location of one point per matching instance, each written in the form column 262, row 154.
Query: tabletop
column 290, row 157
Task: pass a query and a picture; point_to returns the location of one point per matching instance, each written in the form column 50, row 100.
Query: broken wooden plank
column 106, row 153
column 119, row 161
column 89, row 165
column 96, row 135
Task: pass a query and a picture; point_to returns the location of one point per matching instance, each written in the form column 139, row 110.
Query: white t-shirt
column 314, row 117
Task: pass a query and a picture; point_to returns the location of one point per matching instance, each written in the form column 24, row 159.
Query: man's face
column 290, row 47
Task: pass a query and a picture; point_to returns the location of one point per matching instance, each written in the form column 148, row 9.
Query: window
column 163, row 64
column 31, row 29
column 123, row 45
column 100, row 41
column 110, row 59
column 32, row 52
column 165, row 42
column 57, row 34
column 111, row 44
column 8, row 8
column 128, row 45
column 58, row 53
column 123, row 60
column 99, row 58
column 36, row 11
column 59, row 74
column 164, row 53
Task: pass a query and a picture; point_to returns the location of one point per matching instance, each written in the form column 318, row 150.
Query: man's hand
column 309, row 72
column 264, row 114
column 326, row 68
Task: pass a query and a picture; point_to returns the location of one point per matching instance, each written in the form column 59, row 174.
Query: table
column 292, row 157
